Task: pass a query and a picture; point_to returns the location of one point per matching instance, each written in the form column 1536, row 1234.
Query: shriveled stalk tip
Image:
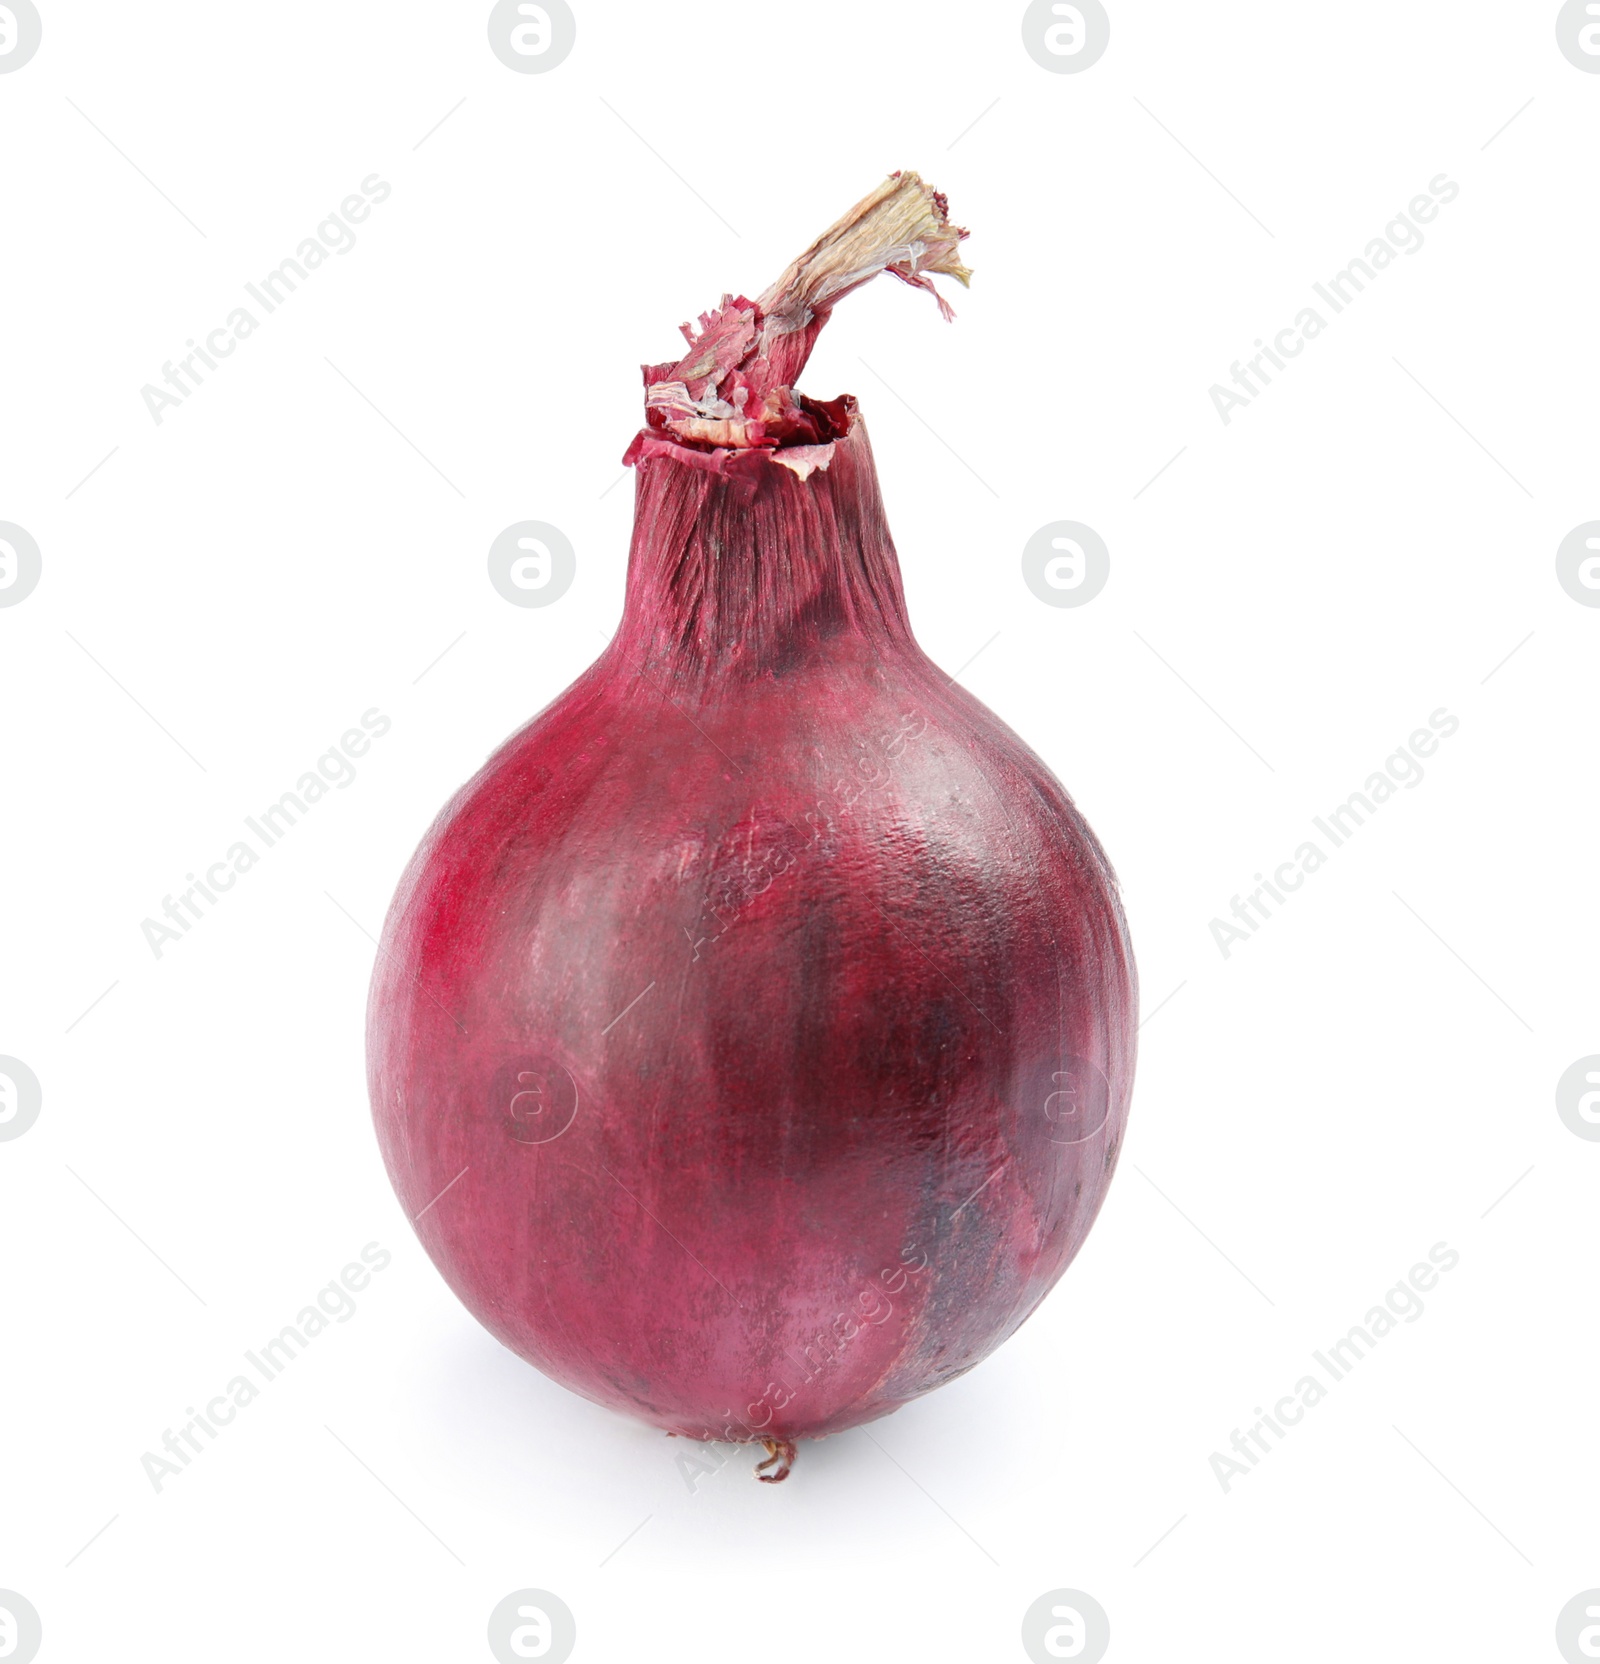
column 902, row 227
column 734, row 390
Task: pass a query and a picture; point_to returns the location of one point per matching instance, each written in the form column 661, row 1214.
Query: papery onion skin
column 764, row 1010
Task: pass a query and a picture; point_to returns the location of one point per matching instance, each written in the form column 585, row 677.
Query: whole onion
column 766, row 998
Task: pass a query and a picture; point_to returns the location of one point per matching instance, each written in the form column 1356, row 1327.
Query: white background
column 1365, row 544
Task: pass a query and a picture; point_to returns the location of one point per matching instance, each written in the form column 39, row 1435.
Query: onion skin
column 769, row 997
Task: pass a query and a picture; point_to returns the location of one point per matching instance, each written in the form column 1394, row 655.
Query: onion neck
column 761, row 571
column 759, row 539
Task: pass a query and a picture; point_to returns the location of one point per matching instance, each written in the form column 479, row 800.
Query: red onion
column 765, row 1005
